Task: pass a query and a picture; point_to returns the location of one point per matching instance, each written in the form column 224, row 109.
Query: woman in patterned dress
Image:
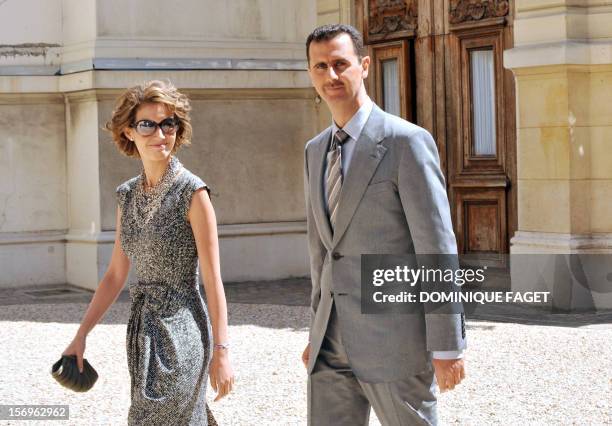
column 165, row 224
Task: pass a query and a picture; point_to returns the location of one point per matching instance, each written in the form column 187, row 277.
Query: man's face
column 335, row 69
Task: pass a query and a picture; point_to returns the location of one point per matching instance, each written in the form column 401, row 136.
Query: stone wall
column 243, row 66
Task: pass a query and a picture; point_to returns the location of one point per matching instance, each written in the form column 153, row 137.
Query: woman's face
column 156, row 119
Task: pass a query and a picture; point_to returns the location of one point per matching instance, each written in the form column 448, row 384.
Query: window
column 391, row 89
column 481, row 89
column 482, row 71
column 389, row 78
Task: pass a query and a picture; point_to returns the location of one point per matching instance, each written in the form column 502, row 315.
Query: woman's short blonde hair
column 154, row 91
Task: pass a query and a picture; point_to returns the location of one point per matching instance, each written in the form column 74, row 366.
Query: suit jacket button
column 336, row 256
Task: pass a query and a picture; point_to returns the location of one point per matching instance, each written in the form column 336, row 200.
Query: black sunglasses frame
column 159, row 125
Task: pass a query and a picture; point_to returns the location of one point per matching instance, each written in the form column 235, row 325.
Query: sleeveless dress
column 169, row 337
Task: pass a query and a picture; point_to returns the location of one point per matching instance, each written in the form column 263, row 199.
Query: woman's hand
column 221, row 374
column 77, row 347
column 105, row 295
column 306, row 355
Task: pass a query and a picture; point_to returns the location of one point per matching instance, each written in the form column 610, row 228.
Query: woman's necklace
column 146, row 185
column 152, row 195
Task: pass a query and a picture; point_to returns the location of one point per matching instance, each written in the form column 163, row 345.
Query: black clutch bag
column 67, row 374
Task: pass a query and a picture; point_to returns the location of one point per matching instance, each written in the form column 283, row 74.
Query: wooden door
column 438, row 63
column 482, row 159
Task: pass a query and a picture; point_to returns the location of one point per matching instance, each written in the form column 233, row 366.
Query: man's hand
column 306, row 355
column 449, row 372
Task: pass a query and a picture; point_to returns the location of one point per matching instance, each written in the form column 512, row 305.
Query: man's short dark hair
column 330, row 31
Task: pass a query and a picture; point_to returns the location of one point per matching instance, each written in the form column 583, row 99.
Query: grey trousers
column 337, row 398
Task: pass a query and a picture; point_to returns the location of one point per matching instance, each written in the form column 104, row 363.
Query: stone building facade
column 516, row 93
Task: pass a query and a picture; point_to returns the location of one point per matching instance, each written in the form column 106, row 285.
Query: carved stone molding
column 391, row 16
column 475, row 10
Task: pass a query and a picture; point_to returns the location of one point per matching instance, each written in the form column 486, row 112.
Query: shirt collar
column 355, row 125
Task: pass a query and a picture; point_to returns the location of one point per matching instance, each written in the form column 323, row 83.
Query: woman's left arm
column 203, row 221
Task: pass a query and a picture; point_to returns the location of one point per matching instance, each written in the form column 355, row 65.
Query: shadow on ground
column 269, row 304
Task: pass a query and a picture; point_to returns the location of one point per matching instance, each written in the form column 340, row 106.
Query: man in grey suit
column 373, row 185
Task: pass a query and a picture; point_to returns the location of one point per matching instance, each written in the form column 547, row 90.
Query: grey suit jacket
column 393, row 201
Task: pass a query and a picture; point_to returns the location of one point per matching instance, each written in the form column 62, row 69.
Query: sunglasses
column 169, row 126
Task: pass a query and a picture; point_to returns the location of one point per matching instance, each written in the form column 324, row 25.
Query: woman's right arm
column 109, row 288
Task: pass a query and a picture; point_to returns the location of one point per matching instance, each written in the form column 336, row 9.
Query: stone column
column 87, row 246
column 562, row 62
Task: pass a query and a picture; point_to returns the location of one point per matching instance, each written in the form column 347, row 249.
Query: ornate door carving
column 391, row 19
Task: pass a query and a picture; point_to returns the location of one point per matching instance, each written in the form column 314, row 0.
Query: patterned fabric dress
column 169, row 337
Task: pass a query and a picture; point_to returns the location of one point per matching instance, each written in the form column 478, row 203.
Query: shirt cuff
column 448, row 354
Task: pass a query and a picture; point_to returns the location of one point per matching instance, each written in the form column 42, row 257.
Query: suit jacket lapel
column 316, row 185
column 366, row 157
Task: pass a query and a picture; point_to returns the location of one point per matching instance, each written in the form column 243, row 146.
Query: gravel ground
column 517, row 374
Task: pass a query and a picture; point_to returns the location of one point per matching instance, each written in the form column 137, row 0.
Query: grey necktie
column 334, row 175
